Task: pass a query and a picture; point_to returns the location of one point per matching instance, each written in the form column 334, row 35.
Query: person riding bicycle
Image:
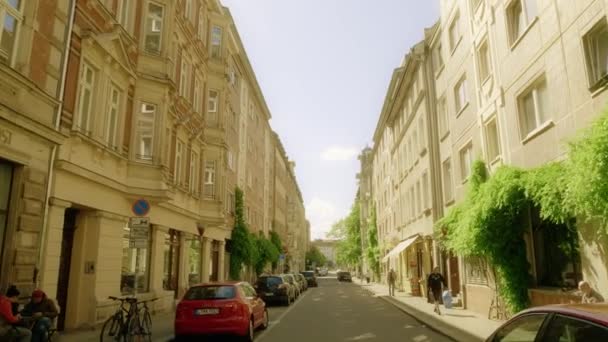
column 43, row 311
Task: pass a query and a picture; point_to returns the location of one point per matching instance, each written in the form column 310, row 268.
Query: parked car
column 311, row 279
column 275, row 288
column 323, row 272
column 344, row 276
column 290, row 279
column 228, row 308
column 570, row 322
column 302, row 281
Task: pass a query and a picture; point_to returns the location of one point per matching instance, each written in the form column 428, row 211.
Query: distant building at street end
column 328, row 249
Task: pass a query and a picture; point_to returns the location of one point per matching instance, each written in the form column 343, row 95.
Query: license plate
column 269, row 294
column 201, row 312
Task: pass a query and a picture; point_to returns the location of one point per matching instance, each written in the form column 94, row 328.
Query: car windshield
column 308, row 274
column 271, row 281
column 210, row 292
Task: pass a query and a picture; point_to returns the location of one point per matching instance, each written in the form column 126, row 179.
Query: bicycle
column 143, row 319
column 118, row 326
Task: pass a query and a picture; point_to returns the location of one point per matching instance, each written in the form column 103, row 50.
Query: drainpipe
column 68, row 40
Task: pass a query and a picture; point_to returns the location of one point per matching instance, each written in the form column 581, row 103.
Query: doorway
column 454, row 275
column 65, row 262
column 215, row 257
column 6, row 183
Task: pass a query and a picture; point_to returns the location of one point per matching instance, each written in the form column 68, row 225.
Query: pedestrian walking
column 589, row 294
column 391, row 278
column 434, row 284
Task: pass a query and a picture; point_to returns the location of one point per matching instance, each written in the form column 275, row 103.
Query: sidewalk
column 460, row 324
column 162, row 331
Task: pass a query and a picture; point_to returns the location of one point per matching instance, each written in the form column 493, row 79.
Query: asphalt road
column 336, row 312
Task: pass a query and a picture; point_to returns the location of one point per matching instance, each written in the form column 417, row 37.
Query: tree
column 241, row 251
column 373, row 250
column 348, row 230
column 266, row 252
column 276, row 241
column 314, row 256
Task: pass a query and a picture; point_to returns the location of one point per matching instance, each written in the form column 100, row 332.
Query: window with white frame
column 426, row 196
column 466, row 161
column 194, row 172
column 596, row 53
column 533, row 104
column 122, row 13
column 86, row 97
column 145, row 131
column 209, row 185
column 438, row 57
column 212, row 106
column 179, row 160
column 216, row 41
column 11, row 18
column 442, row 117
column 112, row 118
column 492, row 140
column 448, row 181
column 454, row 32
column 184, row 76
column 520, row 14
column 483, row 61
column 153, row 30
column 197, row 103
column 460, row 94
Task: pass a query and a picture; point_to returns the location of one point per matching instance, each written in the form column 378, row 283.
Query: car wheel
column 249, row 336
column 265, row 321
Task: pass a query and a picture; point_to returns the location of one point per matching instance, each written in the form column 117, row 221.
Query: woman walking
column 434, row 283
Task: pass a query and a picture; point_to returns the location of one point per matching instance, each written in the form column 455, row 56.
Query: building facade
column 328, row 249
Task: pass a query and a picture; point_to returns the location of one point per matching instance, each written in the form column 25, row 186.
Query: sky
column 324, row 67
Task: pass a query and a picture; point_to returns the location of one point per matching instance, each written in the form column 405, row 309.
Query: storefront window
column 194, row 254
column 171, row 257
column 135, row 259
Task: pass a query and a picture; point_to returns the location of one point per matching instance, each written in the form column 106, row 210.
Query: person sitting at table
column 43, row 311
column 8, row 321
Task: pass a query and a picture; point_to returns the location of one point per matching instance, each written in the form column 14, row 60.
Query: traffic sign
column 139, row 222
column 141, row 207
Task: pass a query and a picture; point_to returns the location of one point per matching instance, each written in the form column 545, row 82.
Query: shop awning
column 400, row 247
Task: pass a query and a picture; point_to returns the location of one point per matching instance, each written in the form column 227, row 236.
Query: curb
column 434, row 323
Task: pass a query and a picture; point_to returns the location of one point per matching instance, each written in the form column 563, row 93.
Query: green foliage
column 265, row 252
column 314, row 256
column 373, row 250
column 348, row 251
column 276, row 241
column 241, row 252
column 545, row 187
column 587, row 174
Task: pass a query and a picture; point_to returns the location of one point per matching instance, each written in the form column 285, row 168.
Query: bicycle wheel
column 135, row 331
column 146, row 326
column 111, row 330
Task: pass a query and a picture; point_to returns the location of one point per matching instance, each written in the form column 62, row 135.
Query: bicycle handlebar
column 132, row 299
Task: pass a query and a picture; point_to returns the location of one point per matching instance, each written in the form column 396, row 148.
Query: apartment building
column 365, row 177
column 33, row 50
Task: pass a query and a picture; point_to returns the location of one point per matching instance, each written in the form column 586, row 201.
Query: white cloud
column 337, row 153
column 321, row 214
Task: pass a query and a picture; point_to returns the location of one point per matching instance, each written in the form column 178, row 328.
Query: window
column 492, row 140
column 412, row 204
column 419, row 206
column 154, row 24
column 416, row 145
column 447, row 181
column 209, row 186
column 122, row 13
column 466, row 161
column 193, row 244
column 454, row 32
column 10, row 19
column 564, row 328
column 422, row 136
column 523, row 329
column 112, row 119
column 197, row 96
column 171, row 260
column 460, row 94
column 426, row 198
column 135, row 260
column 230, row 160
column 520, row 14
column 194, row 172
column 188, row 11
column 179, row 150
column 533, row 108
column 596, row 52
column 184, row 75
column 483, row 60
column 442, row 117
column 438, row 57
column 213, row 101
column 231, row 203
column 201, row 25
column 216, row 42
column 85, row 98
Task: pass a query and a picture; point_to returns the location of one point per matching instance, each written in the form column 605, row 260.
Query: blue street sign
column 141, row 207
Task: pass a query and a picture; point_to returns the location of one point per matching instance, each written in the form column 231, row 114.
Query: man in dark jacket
column 434, row 283
column 43, row 311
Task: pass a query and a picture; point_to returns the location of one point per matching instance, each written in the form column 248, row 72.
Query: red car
column 229, row 308
column 556, row 323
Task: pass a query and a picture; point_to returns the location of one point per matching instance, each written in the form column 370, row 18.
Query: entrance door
column 215, row 258
column 65, row 261
column 6, row 183
column 454, row 275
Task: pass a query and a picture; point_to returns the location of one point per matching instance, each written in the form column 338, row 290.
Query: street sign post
column 141, row 207
column 139, row 232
